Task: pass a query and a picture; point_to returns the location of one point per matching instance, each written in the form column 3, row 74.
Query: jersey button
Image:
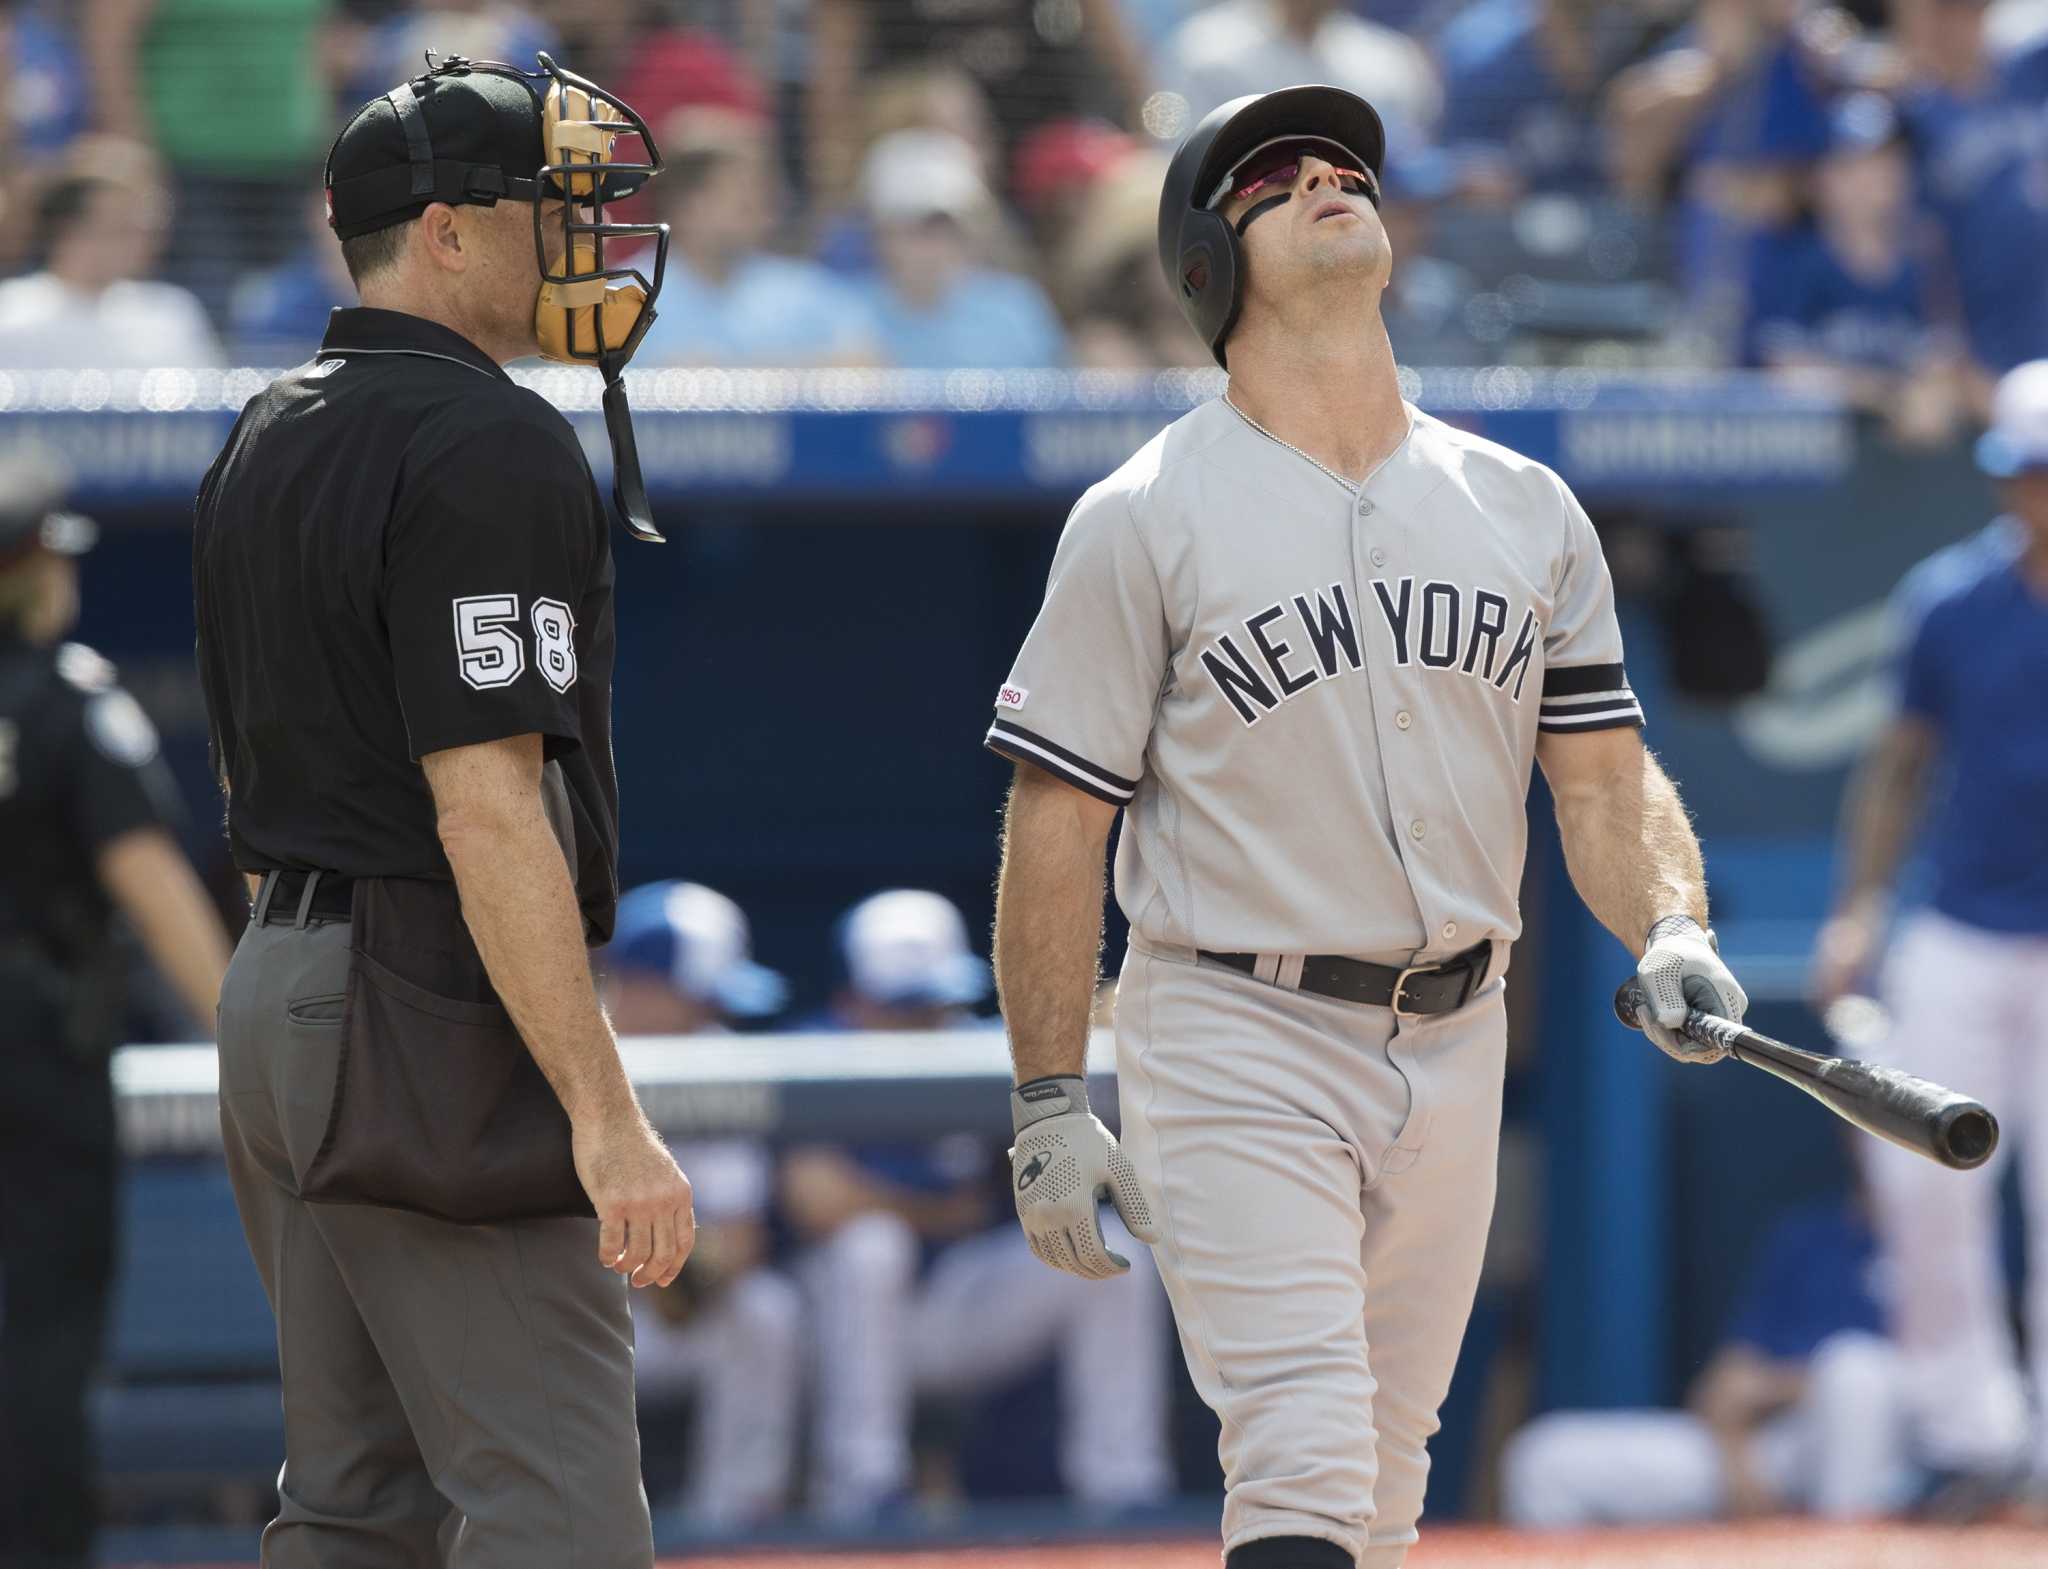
column 1450, row 930
column 1379, row 557
column 1418, row 828
column 1365, row 507
column 1403, row 720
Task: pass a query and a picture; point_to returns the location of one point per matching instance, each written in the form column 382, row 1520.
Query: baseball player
column 1964, row 978
column 1311, row 639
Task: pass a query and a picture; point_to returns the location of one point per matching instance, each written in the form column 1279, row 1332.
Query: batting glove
column 1063, row 1163
column 1682, row 970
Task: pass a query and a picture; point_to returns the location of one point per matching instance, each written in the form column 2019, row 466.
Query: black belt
column 1440, row 988
column 299, row 897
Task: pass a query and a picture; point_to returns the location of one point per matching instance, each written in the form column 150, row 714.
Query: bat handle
column 1631, row 1002
column 1632, row 1007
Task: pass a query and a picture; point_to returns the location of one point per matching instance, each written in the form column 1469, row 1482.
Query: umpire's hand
column 1064, row 1161
column 646, row 1223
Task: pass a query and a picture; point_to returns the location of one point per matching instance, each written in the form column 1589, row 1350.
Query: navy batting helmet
column 1196, row 247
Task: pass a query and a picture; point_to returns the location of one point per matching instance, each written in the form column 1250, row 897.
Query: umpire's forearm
column 520, row 906
column 1049, row 921
column 1631, row 850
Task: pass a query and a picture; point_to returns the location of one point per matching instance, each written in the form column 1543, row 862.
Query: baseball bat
column 1912, row 1113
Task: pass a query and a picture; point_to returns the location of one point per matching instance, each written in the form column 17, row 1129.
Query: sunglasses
column 1278, row 165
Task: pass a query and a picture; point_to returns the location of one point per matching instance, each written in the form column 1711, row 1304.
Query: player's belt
column 1419, row 989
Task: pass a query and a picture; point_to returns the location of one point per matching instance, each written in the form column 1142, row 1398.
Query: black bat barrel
column 1912, row 1113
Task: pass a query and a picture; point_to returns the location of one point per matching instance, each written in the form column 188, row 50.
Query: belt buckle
column 1400, row 982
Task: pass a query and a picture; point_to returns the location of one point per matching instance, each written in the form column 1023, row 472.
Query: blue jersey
column 1811, row 1278
column 1502, row 100
column 1803, row 301
column 1975, row 671
column 1983, row 165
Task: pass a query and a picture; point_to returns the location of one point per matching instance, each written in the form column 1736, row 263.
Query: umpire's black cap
column 32, row 486
column 464, row 132
column 1196, row 247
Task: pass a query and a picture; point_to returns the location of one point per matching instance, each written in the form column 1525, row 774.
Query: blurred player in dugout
column 1963, row 768
column 729, row 1331
column 920, row 1285
column 85, row 808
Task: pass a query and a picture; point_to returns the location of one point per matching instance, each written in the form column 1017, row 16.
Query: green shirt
column 234, row 86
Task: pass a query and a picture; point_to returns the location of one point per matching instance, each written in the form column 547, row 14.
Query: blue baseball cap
column 907, row 947
column 2018, row 438
column 698, row 941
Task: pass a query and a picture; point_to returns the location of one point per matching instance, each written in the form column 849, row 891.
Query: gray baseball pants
column 1323, row 1182
column 458, row 1395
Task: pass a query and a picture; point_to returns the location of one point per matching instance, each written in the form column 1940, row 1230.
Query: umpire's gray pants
column 452, row 1394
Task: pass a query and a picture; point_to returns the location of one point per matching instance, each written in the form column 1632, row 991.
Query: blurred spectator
column 1057, row 170
column 1253, row 46
column 1033, row 62
column 938, row 310
column 1121, row 313
column 1846, row 300
column 1802, row 1409
column 45, row 108
column 730, row 1329
column 1424, row 305
column 47, row 103
column 921, row 1285
column 98, row 233
column 1980, row 137
column 396, row 49
column 1730, row 118
column 1523, row 80
column 727, row 301
column 658, row 65
column 927, row 97
column 233, row 94
column 278, row 317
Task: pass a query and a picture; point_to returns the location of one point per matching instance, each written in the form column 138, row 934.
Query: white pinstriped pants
column 1323, row 1184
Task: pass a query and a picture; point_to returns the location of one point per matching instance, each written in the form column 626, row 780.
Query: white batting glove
column 1063, row 1163
column 1681, row 970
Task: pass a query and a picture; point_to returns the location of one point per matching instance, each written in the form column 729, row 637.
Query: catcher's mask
column 554, row 139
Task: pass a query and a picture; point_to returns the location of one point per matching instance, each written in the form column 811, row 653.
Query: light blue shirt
column 770, row 311
column 988, row 321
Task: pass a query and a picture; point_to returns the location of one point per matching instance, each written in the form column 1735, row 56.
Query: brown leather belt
column 1417, row 990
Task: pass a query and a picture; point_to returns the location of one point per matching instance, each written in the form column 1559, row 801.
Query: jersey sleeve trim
column 1587, row 697
column 1025, row 746
column 1582, row 680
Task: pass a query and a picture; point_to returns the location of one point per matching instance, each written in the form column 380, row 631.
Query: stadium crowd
column 1853, row 194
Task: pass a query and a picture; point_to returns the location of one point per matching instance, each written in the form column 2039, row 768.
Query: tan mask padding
column 566, row 315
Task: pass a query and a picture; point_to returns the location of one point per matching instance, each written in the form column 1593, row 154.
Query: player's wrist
column 1053, row 1095
column 1679, row 924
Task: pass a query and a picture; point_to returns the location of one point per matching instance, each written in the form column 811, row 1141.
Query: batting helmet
column 1196, row 247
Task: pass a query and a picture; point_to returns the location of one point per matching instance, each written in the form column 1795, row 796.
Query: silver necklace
column 1290, row 446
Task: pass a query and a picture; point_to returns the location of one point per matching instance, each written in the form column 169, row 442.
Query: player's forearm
column 1630, row 849
column 1049, row 922
column 152, row 883
column 1884, row 799
column 521, row 910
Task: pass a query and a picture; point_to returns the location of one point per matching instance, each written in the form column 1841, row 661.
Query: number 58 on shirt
column 490, row 644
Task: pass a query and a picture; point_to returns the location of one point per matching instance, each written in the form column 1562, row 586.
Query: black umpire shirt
column 400, row 551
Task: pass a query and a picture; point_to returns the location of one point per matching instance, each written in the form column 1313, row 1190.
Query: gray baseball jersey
column 1318, row 705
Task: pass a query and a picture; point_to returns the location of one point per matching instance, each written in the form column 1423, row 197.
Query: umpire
column 404, row 599
column 84, row 804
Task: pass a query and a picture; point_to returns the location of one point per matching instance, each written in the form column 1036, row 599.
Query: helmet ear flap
column 1209, row 277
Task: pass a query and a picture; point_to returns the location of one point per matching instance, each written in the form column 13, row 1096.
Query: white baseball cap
column 908, row 947
column 2018, row 437
column 921, row 174
column 698, row 941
